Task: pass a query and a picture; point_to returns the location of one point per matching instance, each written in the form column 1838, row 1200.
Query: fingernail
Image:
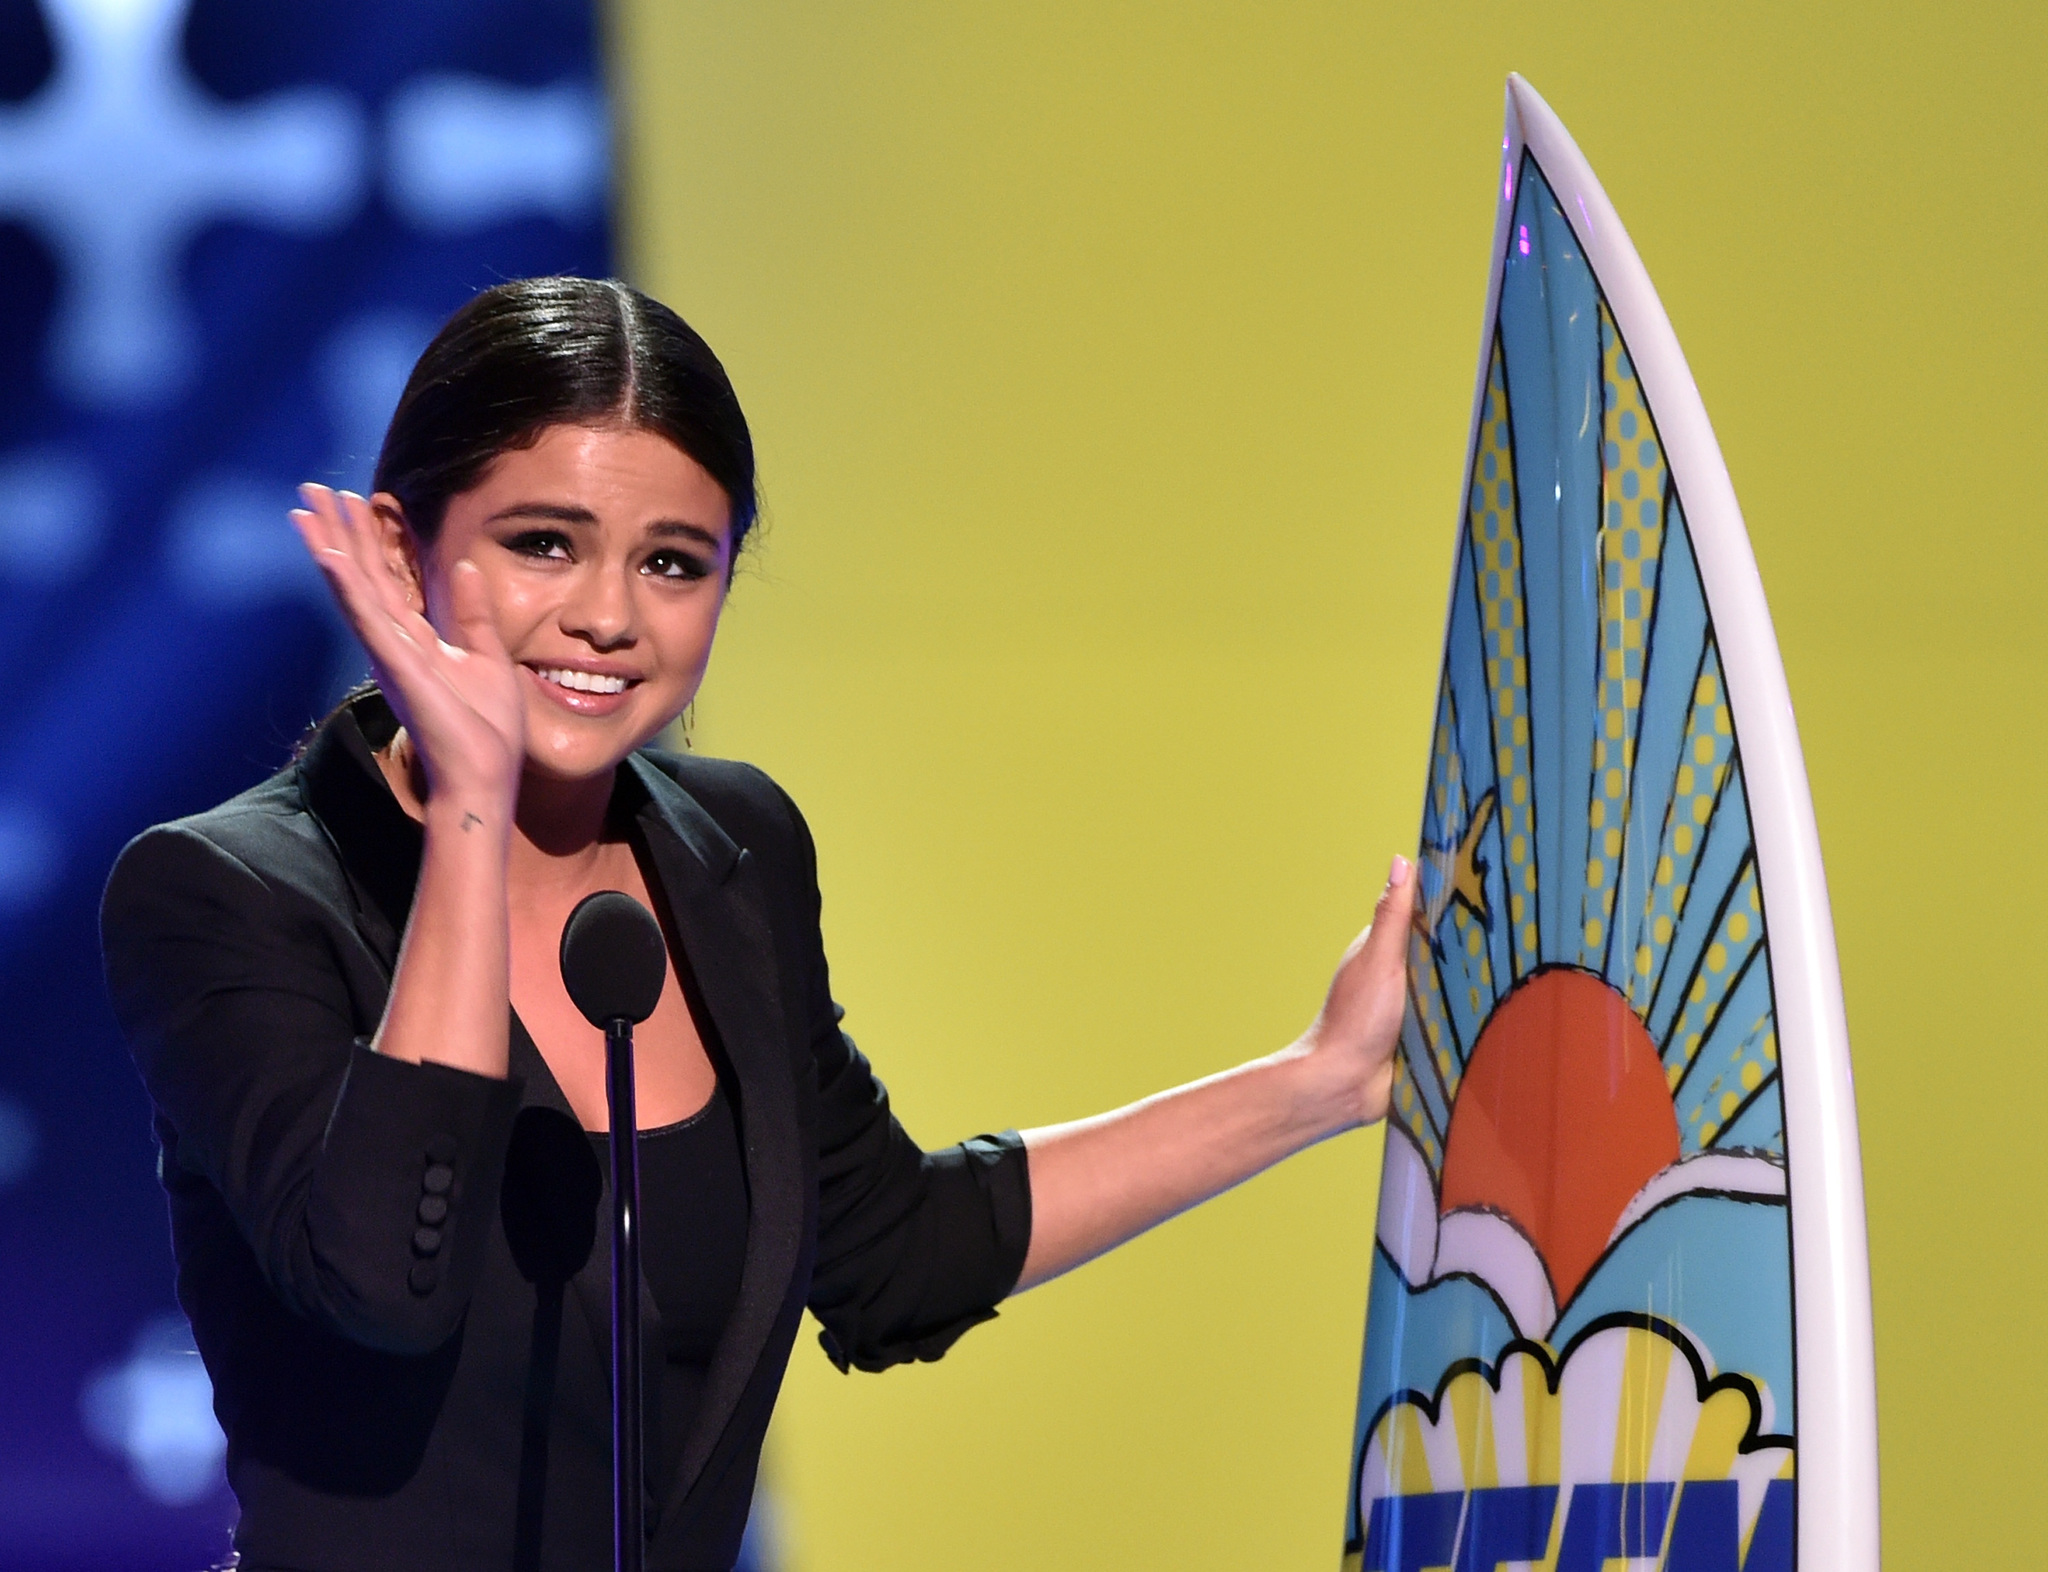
column 1398, row 874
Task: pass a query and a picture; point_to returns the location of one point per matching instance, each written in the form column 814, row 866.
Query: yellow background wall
column 1110, row 365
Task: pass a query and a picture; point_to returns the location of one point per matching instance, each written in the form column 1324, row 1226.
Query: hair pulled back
column 540, row 352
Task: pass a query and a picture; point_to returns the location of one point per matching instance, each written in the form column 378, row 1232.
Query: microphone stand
column 629, row 1479
column 614, row 961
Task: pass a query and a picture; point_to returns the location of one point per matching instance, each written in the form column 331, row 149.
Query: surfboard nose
column 1520, row 97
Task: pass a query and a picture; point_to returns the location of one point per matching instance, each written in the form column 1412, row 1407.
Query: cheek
column 520, row 603
column 685, row 633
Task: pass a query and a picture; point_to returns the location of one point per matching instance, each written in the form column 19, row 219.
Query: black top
column 395, row 1272
column 693, row 1244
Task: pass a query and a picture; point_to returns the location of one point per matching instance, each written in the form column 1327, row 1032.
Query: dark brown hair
column 541, row 352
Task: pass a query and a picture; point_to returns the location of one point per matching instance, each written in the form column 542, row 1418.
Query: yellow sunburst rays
column 1738, row 935
column 1705, row 757
column 1646, row 1369
column 1630, row 547
column 1494, row 528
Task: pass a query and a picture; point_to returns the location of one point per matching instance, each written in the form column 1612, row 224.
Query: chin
column 581, row 750
column 560, row 754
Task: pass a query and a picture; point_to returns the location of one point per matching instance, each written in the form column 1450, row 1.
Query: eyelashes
column 676, row 565
column 547, row 545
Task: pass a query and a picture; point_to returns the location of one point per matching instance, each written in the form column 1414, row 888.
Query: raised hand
column 454, row 688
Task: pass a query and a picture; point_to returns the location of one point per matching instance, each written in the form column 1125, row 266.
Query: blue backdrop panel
column 226, row 227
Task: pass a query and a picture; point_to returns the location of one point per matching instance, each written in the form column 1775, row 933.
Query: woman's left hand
column 1097, row 1182
column 1354, row 1035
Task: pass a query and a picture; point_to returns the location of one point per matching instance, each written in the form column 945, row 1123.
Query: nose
column 599, row 606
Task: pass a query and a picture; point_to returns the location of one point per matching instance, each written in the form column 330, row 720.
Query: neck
column 558, row 827
column 561, row 820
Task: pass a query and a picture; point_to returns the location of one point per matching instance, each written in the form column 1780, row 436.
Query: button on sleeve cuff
column 403, row 1198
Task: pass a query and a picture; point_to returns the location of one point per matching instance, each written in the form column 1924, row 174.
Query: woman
column 380, row 1114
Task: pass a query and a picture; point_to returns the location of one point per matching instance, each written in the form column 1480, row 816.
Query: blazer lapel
column 721, row 922
column 377, row 843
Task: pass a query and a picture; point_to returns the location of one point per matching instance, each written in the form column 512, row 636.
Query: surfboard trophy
column 1620, row 1302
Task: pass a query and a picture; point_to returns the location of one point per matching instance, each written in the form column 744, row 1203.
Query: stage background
column 1111, row 366
column 227, row 227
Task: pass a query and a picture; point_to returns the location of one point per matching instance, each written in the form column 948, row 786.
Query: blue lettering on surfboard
column 1411, row 1533
column 1509, row 1523
column 1476, row 1531
column 1612, row 1520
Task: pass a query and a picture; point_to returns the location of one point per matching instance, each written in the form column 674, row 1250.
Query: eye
column 681, row 565
column 548, row 543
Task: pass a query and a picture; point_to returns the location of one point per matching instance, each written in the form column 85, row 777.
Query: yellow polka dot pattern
column 1753, row 1066
column 1414, row 1117
column 1629, row 546
column 1735, row 936
column 1704, row 760
column 1494, row 529
column 1469, row 939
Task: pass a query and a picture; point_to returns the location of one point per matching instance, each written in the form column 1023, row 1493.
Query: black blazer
column 393, row 1271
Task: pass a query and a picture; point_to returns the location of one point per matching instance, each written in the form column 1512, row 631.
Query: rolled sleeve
column 961, row 1254
column 914, row 1247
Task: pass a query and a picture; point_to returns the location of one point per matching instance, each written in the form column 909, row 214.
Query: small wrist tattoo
column 469, row 822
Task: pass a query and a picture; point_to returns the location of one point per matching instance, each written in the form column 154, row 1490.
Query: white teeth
column 582, row 681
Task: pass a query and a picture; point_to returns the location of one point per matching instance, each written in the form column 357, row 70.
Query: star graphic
column 1456, row 874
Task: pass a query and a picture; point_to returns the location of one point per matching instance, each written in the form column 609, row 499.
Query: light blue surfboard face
column 1580, row 1338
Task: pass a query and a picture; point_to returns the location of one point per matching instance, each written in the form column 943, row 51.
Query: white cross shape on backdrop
column 121, row 159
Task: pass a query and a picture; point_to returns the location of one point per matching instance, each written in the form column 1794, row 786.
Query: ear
column 400, row 550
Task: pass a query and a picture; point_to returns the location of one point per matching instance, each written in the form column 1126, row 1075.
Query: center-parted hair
column 542, row 352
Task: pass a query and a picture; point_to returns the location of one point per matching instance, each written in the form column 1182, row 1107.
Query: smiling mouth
column 581, row 681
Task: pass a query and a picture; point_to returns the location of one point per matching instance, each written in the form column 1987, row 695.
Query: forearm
column 450, row 995
column 1098, row 1182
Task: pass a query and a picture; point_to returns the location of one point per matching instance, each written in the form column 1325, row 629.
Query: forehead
column 621, row 475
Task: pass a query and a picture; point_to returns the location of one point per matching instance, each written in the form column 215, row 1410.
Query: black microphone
column 614, row 964
column 614, row 961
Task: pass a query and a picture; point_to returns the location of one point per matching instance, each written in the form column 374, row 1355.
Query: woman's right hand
column 462, row 703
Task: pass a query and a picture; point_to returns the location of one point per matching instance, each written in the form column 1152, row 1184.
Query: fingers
column 1394, row 912
column 342, row 541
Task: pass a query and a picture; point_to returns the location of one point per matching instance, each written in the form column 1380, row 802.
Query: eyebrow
column 568, row 513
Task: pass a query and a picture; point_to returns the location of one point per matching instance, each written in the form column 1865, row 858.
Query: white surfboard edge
column 1835, row 1362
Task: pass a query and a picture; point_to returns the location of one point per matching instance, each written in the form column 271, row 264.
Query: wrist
column 474, row 819
column 1322, row 1094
